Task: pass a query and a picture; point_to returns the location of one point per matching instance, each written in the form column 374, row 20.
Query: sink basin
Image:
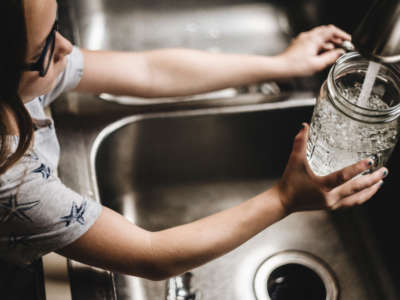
column 240, row 26
column 165, row 169
column 235, row 26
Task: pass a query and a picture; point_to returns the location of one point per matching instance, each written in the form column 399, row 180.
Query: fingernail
column 381, row 185
column 385, row 173
column 373, row 161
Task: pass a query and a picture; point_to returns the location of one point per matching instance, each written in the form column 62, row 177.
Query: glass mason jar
column 343, row 131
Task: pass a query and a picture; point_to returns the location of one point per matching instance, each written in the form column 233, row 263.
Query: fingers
column 357, row 191
column 326, row 40
column 333, row 33
column 339, row 177
column 327, row 58
column 322, row 35
column 358, row 198
column 328, row 46
column 360, row 183
column 337, row 41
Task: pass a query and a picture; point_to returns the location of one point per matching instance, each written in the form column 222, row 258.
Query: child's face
column 40, row 16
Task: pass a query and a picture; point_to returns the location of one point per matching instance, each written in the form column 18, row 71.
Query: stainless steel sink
column 239, row 26
column 236, row 26
column 162, row 168
column 166, row 169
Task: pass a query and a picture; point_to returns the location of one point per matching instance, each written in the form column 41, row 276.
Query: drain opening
column 294, row 274
column 295, row 281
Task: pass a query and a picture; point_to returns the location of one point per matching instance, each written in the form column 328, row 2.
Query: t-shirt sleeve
column 40, row 214
column 68, row 79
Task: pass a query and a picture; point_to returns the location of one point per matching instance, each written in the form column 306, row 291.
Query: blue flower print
column 13, row 209
column 44, row 170
column 76, row 214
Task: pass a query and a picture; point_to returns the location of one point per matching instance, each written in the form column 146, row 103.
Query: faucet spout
column 378, row 35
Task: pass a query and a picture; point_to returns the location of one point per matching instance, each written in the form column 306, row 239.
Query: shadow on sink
column 166, row 169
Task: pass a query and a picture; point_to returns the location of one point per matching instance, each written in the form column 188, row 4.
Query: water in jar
column 337, row 141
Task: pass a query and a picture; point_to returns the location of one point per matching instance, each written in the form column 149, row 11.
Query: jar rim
column 393, row 111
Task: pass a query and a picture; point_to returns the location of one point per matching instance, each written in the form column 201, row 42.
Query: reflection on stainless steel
column 130, row 100
column 237, row 26
column 270, row 89
column 378, row 36
column 96, row 32
column 171, row 168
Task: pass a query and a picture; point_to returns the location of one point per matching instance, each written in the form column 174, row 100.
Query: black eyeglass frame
column 50, row 44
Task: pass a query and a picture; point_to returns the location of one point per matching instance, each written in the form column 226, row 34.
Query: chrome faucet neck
column 178, row 288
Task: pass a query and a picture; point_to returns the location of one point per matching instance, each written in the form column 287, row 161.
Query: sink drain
column 296, row 275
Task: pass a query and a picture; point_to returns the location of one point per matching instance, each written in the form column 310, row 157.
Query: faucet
column 178, row 288
column 378, row 35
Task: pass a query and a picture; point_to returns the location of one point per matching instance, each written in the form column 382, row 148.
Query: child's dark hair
column 13, row 50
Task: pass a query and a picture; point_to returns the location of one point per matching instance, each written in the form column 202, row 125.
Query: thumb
column 300, row 141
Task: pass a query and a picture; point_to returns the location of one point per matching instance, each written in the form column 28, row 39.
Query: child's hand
column 300, row 189
column 314, row 50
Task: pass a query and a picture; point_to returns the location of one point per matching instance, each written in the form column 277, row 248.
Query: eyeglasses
column 42, row 65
